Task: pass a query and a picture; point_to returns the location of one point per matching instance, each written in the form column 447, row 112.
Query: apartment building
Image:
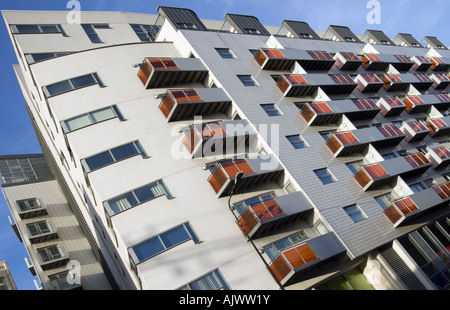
column 206, row 154
column 7, row 282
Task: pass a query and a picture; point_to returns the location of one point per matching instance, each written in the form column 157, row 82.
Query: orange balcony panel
column 416, row 160
column 362, row 178
column 393, row 214
column 218, row 179
column 280, row 268
column 346, row 138
column 338, row 140
column 435, row 125
column 299, row 255
column 247, row 222
column 406, row 206
column 308, row 113
column 167, row 105
column 191, row 140
column 321, row 107
column 145, row 72
column 390, row 131
column 375, row 171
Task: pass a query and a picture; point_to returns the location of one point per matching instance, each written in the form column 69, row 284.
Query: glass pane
column 82, row 81
column 124, row 151
column 175, row 236
column 58, row 88
column 100, row 160
column 42, row 56
column 148, row 249
column 147, row 193
column 28, row 28
column 101, row 115
column 50, row 29
column 122, row 203
column 95, row 38
column 88, row 29
column 79, row 122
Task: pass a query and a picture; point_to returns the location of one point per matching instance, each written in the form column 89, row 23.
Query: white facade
column 218, row 244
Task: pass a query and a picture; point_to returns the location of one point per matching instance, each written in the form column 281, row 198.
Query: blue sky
column 417, row 17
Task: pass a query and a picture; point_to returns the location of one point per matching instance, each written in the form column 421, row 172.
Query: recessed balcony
column 220, row 138
column 369, row 83
column 259, row 215
column 347, row 61
column 166, row 72
column 184, row 104
column 255, row 171
column 415, row 130
column 391, row 106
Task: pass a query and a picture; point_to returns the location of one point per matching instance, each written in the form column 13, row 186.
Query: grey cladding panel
column 178, row 16
column 300, row 29
column 244, row 23
column 379, row 37
column 344, row 33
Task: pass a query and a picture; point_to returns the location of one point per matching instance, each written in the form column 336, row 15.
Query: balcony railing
column 295, row 85
column 391, row 106
column 398, row 210
column 439, row 64
column 369, row 83
column 441, row 81
column 438, row 127
column 347, row 61
column 259, row 215
column 439, row 156
column 166, row 72
column 415, row 130
column 372, row 176
column 344, row 143
column 373, row 62
column 255, row 172
column 393, row 83
column 421, row 63
column 184, row 104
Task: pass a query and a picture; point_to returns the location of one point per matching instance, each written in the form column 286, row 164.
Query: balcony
column 415, row 130
column 317, row 61
column 296, row 85
column 400, row 62
column 439, row 126
column 30, row 266
column 393, row 83
column 368, row 83
column 52, row 257
column 219, row 138
column 273, row 59
column 166, row 72
column 184, row 104
column 41, row 232
column 441, row 81
column 356, row 141
column 347, row 61
column 391, row 106
column 292, row 263
column 440, row 64
column 259, row 215
column 442, row 102
column 408, row 209
column 421, row 63
column 31, row 211
column 383, row 173
column 415, row 104
column 256, row 171
column 373, row 62
column 439, row 156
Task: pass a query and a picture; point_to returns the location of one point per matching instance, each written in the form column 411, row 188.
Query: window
column 290, row 188
column 274, row 248
column 271, row 109
column 254, row 52
column 32, row 58
column 186, row 26
column 3, row 286
column 39, row 228
column 210, row 281
column 72, row 84
column 389, row 156
column 417, row 187
column 247, row 80
column 431, row 182
column 113, row 155
column 162, row 242
column 355, row 166
column 90, row 118
column 59, row 281
column 146, row 33
column 225, row 53
column 321, row 228
column 355, row 213
column 251, row 31
column 325, row 176
column 384, row 200
column 136, row 197
column 242, row 206
column 91, row 32
column 326, row 135
column 31, row 29
column 50, row 253
column 28, row 205
column 297, row 142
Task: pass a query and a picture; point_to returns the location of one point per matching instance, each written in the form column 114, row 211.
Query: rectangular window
column 326, row 135
column 355, row 166
column 162, row 242
column 417, row 187
column 210, row 281
column 355, row 213
column 91, row 32
column 297, row 142
column 113, row 155
column 271, row 109
column 136, row 197
column 325, row 176
column 32, row 29
column 50, row 253
column 225, row 53
column 72, row 84
column 33, row 58
column 146, row 33
column 186, row 26
column 28, row 205
column 90, row 118
column 39, row 228
column 247, row 80
column 273, row 249
column 385, row 200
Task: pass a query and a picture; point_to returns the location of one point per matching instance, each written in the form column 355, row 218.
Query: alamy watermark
column 74, row 274
column 374, row 15
column 74, row 16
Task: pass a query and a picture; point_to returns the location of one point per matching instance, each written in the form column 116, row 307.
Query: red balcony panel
column 280, row 268
column 247, row 222
column 342, row 78
column 320, row 55
column 443, row 190
column 417, row 160
column 321, row 107
column 393, row 214
column 406, row 205
column 218, row 179
column 436, row 125
column 268, row 53
column 365, row 104
column 375, row 171
column 390, row 131
column 398, row 209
